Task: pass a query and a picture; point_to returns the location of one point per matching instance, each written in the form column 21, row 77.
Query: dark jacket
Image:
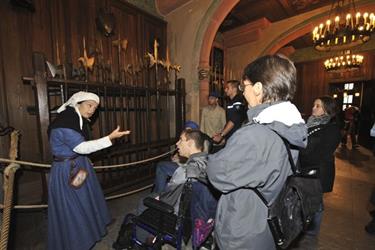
column 236, row 113
column 319, row 153
column 254, row 157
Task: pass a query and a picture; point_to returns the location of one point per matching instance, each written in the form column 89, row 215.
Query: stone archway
column 209, row 34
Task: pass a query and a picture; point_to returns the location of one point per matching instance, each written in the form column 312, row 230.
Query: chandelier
column 348, row 28
column 344, row 62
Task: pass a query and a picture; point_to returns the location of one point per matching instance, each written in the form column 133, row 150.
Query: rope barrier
column 41, row 165
column 107, row 198
column 8, row 177
column 2, row 206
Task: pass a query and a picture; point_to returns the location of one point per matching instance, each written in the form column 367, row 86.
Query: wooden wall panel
column 313, row 81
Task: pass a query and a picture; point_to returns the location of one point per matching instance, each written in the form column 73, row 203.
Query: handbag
column 292, row 211
column 77, row 179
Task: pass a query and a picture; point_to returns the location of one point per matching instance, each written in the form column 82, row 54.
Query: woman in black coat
column 323, row 138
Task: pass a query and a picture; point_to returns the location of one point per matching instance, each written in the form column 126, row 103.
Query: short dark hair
column 277, row 75
column 196, row 136
column 234, row 83
column 329, row 105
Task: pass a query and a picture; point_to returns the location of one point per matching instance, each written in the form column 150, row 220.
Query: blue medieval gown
column 77, row 218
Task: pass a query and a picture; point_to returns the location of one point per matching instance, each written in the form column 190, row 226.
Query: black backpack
column 292, row 211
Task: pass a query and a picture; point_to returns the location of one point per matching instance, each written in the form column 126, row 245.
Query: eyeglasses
column 242, row 86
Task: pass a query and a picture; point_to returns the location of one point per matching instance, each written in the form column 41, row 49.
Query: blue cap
column 191, row 124
column 214, row 94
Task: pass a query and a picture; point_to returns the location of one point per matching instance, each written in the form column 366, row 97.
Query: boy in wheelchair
column 189, row 201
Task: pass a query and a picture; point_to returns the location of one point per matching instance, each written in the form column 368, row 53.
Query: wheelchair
column 198, row 202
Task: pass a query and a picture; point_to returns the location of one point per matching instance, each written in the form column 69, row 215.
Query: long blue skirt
column 77, row 218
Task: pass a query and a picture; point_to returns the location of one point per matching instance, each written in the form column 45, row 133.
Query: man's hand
column 217, row 138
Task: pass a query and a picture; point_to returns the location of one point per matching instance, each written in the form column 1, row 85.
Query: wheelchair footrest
column 160, row 222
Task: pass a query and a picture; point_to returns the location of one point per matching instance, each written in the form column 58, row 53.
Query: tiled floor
column 343, row 223
column 345, row 212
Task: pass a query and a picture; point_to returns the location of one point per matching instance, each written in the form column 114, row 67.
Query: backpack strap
column 292, row 166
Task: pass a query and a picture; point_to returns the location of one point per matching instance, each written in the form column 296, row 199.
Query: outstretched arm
column 88, row 147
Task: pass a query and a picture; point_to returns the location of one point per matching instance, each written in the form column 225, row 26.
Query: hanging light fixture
column 344, row 62
column 347, row 29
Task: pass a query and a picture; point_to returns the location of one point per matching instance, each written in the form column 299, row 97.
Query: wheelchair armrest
column 158, row 205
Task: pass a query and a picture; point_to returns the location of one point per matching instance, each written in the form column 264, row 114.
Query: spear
column 121, row 45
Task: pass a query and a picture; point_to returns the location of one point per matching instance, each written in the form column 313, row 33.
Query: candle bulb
column 328, row 24
column 357, row 16
column 321, row 29
column 348, row 17
column 337, row 22
column 365, row 16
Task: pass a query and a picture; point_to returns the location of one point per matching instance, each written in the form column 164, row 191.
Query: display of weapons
column 87, row 62
column 121, row 45
column 55, row 70
column 153, row 60
column 108, row 74
column 167, row 63
column 99, row 65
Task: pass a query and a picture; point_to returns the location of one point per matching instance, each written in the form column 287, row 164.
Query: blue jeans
column 164, row 170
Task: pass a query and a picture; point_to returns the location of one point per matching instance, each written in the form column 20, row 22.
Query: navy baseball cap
column 214, row 94
column 191, row 124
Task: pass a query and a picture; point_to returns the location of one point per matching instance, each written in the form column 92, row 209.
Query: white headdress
column 76, row 98
column 79, row 97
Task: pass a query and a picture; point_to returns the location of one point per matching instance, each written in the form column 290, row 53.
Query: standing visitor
column 256, row 157
column 235, row 112
column 323, row 138
column 213, row 116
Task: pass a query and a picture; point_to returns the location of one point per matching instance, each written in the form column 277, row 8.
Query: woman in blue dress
column 77, row 211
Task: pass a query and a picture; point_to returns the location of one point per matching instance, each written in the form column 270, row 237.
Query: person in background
column 370, row 227
column 235, row 112
column 351, row 127
column 165, row 169
column 256, row 156
column 213, row 116
column 77, row 211
column 323, row 138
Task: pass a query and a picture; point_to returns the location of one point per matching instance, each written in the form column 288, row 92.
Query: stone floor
column 343, row 223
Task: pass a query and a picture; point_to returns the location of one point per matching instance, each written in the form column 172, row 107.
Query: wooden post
column 41, row 99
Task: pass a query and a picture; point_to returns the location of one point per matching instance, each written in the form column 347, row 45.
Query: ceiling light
column 344, row 62
column 344, row 28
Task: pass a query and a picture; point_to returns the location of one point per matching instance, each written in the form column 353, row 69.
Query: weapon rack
column 146, row 107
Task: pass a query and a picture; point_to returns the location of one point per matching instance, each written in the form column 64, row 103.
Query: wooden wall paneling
column 154, row 29
column 126, row 20
column 4, row 118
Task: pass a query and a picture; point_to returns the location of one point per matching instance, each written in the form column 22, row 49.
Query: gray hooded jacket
column 254, row 157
